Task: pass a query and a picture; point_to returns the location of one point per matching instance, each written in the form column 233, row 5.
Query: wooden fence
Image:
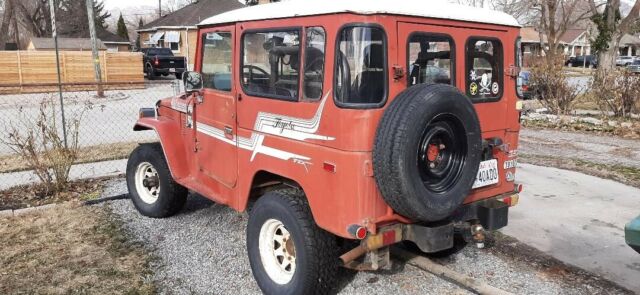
column 23, row 69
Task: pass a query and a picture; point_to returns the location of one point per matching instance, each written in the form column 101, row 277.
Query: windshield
column 160, row 51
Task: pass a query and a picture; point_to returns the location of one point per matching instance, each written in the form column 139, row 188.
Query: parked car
column 624, row 61
column 589, row 61
column 632, row 234
column 525, row 89
column 634, row 67
column 307, row 112
column 161, row 61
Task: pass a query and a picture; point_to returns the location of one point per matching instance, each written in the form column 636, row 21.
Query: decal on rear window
column 484, row 69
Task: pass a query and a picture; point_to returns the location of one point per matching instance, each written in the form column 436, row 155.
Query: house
column 178, row 30
column 66, row 44
column 113, row 42
column 629, row 45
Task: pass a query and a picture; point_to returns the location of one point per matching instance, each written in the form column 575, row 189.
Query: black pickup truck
column 160, row 61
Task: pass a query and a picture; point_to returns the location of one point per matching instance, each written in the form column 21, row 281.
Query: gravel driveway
column 587, row 147
column 202, row 251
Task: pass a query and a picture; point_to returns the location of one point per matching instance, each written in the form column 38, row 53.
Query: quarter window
column 271, row 64
column 430, row 59
column 484, row 69
column 314, row 63
column 361, row 66
column 216, row 60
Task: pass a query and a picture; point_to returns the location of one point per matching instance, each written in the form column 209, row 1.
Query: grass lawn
column 70, row 250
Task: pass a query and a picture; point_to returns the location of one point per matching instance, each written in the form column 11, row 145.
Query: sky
column 110, row 4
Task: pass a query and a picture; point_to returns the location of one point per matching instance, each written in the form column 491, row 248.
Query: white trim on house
column 166, row 28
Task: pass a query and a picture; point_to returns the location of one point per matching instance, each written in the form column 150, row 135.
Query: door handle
column 228, row 130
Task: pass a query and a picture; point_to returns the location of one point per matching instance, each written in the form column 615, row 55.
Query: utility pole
column 54, row 33
column 94, row 46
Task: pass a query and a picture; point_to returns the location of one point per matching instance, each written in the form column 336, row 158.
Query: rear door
column 472, row 59
column 215, row 113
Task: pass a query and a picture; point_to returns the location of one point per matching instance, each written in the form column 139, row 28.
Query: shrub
column 551, row 85
column 41, row 145
column 616, row 91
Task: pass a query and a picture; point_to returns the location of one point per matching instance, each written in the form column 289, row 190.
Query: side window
column 271, row 64
column 314, row 63
column 430, row 59
column 361, row 67
column 216, row 60
column 484, row 69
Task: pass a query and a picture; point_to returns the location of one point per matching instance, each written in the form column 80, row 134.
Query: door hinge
column 398, row 72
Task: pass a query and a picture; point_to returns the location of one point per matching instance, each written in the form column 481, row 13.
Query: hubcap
column 277, row 251
column 441, row 153
column 147, row 183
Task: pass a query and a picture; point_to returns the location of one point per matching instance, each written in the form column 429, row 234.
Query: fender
column 174, row 150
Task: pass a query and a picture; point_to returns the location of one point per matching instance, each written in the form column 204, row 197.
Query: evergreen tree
column 122, row 28
column 100, row 14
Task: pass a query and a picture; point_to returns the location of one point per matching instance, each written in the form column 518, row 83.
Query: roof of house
column 571, row 35
column 108, row 37
column 628, row 39
column 531, row 35
column 420, row 8
column 65, row 43
column 192, row 14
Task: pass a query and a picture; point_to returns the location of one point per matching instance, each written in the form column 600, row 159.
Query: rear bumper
column 168, row 71
column 492, row 214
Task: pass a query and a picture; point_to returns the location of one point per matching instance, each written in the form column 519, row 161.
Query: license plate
column 172, row 70
column 487, row 174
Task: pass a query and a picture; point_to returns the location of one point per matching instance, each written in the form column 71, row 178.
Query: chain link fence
column 101, row 128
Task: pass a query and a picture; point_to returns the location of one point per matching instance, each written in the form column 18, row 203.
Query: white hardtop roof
column 419, row 8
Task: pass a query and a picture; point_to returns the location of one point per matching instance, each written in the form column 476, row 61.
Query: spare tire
column 427, row 151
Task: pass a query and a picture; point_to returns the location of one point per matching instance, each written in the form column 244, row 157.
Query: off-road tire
column 316, row 250
column 398, row 139
column 172, row 196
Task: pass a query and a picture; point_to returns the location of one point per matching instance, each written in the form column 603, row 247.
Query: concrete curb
column 18, row 212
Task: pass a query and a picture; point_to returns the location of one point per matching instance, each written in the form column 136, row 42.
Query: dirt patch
column 550, row 268
column 623, row 174
column 70, row 250
column 106, row 152
column 36, row 195
column 632, row 132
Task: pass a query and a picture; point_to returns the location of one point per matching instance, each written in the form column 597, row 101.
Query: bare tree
column 611, row 28
column 7, row 16
column 556, row 17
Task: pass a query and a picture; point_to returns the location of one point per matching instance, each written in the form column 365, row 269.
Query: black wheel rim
column 441, row 153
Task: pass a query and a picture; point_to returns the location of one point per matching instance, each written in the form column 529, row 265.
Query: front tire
column 288, row 252
column 153, row 190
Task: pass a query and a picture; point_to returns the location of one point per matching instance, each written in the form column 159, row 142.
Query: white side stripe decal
column 280, row 125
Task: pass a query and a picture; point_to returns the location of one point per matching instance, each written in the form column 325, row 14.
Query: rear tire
column 179, row 76
column 153, row 190
column 151, row 75
column 288, row 252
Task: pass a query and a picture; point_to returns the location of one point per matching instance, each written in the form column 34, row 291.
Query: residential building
column 178, row 30
column 64, row 44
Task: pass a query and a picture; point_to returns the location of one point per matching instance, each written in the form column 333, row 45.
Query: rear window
column 430, row 59
column 361, row 67
column 160, row 51
column 314, row 63
column 484, row 69
column 271, row 64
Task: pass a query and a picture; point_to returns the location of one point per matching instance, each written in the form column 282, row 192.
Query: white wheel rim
column 147, row 183
column 277, row 251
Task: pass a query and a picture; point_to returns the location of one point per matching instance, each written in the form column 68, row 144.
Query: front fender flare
column 168, row 132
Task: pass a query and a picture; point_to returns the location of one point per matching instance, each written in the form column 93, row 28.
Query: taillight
column 156, row 61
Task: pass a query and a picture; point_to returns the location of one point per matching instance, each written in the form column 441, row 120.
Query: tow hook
column 478, row 235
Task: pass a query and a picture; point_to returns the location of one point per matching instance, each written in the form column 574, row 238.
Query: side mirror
column 192, row 81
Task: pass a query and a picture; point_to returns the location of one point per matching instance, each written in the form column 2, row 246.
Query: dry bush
column 551, row 85
column 41, row 145
column 616, row 91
